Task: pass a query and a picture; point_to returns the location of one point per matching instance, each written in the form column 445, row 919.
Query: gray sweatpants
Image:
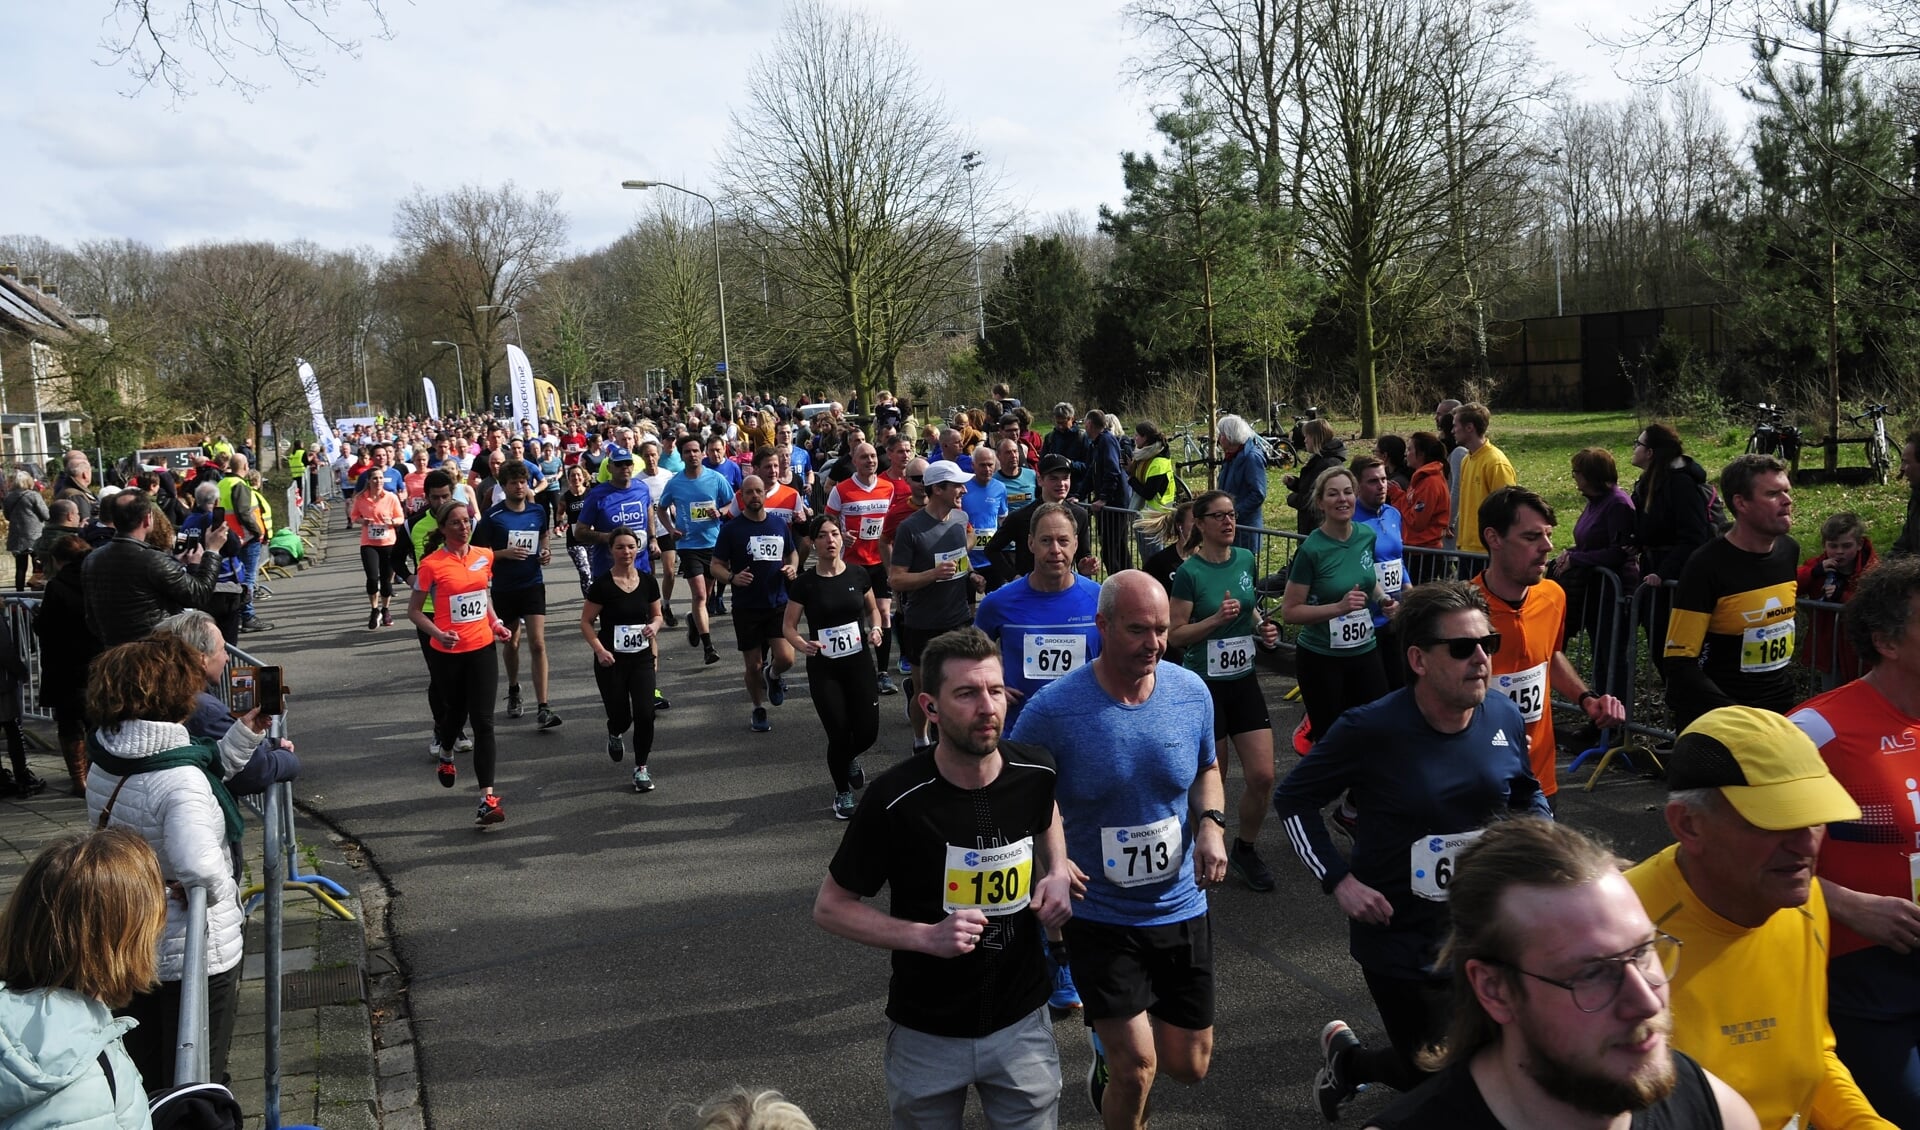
column 1016, row 1071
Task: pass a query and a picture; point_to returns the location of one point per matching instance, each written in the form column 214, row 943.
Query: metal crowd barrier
column 20, row 611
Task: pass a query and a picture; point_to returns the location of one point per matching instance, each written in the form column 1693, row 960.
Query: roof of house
column 31, row 313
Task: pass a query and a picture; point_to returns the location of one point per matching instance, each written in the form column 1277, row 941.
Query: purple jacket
column 1603, row 537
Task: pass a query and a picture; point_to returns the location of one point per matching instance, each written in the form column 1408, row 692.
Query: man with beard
column 1427, row 766
column 1750, row 805
column 961, row 836
column 1560, row 984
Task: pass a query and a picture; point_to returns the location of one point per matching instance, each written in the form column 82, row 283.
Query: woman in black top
column 572, row 497
column 843, row 622
column 627, row 604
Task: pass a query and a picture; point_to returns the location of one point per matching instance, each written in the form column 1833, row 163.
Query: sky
column 571, row 96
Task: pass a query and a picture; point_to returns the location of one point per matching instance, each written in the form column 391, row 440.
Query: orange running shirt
column 458, row 586
column 1874, row 752
column 1523, row 670
column 379, row 522
column 864, row 513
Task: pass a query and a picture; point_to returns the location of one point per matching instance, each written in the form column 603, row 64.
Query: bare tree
column 1673, row 39
column 661, row 289
column 476, row 247
column 845, row 172
column 154, row 39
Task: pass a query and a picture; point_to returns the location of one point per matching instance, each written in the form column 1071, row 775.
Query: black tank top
column 1452, row 1099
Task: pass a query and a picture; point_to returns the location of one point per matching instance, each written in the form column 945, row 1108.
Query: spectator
column 1325, row 451
column 81, row 935
column 1243, row 474
column 131, row 586
column 1670, row 509
column 75, row 484
column 26, row 511
column 246, row 519
column 1602, row 540
column 150, row 775
column 1150, row 474
column 1443, row 423
column 1909, row 539
column 63, row 520
column 1483, row 470
column 229, row 582
column 1392, row 450
column 1425, row 510
column 1029, row 439
column 1830, row 576
column 274, row 758
column 67, row 648
column 1107, row 488
column 1067, row 440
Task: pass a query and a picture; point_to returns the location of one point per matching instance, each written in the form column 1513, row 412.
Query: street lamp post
column 970, row 160
column 461, row 370
column 719, row 281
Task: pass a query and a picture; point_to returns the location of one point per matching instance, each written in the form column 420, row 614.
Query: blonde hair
column 87, row 915
column 741, row 1109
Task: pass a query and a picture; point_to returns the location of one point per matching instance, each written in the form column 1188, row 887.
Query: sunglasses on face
column 1462, row 647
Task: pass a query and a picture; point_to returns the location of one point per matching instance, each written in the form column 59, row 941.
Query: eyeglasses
column 1640, row 443
column 1595, row 986
column 1462, row 647
column 1227, row 514
column 916, row 478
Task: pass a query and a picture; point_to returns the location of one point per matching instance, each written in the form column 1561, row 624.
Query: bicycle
column 1772, row 435
column 1879, row 451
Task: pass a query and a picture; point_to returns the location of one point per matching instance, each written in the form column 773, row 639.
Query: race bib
column 871, row 525
column 1227, row 657
column 1146, row 853
column 982, row 537
column 1391, row 575
column 1432, row 859
column 1527, row 689
column 703, row 512
column 628, row 638
column 376, row 529
column 1766, row 649
column 1350, row 629
column 416, row 505
column 763, row 548
column 993, row 881
column 1913, row 873
column 1045, row 657
column 840, row 642
column 467, row 607
column 528, row 540
column 959, row 559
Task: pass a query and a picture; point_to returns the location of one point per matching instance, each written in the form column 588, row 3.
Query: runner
column 516, row 532
column 1428, row 765
column 1140, row 793
column 626, row 601
column 985, row 503
column 1009, row 550
column 1329, row 587
column 1021, row 484
column 931, row 568
column 1216, row 622
column 862, row 502
column 463, row 630
column 1529, row 614
column 573, row 498
column 655, row 475
column 757, row 555
column 439, row 492
column 961, row 838
column 378, row 514
column 844, row 621
column 1372, row 511
column 691, row 506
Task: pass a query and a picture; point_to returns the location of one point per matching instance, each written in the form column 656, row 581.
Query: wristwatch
column 1585, row 695
column 1217, row 816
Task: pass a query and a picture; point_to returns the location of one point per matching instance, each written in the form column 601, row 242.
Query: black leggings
column 626, row 690
column 377, row 560
column 1332, row 685
column 22, row 569
column 470, row 685
column 848, row 702
column 1415, row 1015
column 151, row 1045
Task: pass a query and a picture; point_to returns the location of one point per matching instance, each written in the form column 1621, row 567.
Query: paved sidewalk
column 328, row 1075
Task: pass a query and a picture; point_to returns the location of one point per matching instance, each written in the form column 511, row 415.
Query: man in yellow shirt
column 1484, row 470
column 1750, row 804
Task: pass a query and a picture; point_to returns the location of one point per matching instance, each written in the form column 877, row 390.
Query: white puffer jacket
column 174, row 810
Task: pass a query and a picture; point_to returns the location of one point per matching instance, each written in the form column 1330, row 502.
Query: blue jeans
column 1873, row 1001
column 250, row 572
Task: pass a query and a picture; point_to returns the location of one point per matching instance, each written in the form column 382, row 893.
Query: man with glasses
column 1428, row 765
column 931, row 570
column 1749, row 807
column 1560, row 983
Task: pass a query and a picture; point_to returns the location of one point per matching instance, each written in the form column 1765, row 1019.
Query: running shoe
column 1096, row 1072
column 1243, row 860
column 1346, row 817
column 434, row 751
column 386, row 617
column 759, row 724
column 886, row 685
column 856, row 776
column 490, row 811
column 616, row 749
column 547, row 718
column 1064, row 996
column 1330, row 1086
column 660, row 701
column 843, row 805
column 463, row 744
column 905, row 667
column 642, row 780
column 693, row 632
column 515, row 708
column 666, row 614
column 446, row 772
column 776, row 686
column 712, row 656
column 373, row 619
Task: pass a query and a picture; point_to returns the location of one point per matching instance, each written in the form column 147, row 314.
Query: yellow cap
column 1764, row 765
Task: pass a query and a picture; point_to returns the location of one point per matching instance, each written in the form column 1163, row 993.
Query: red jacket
column 1827, row 647
column 1425, row 507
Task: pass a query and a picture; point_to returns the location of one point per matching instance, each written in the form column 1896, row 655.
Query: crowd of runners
column 1049, row 843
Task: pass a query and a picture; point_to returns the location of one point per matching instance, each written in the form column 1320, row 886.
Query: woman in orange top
column 1425, row 507
column 461, row 631
column 378, row 514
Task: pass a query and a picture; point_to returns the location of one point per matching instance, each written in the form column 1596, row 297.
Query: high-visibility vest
column 226, row 503
column 297, row 462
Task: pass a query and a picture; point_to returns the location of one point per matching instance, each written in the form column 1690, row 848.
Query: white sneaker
column 433, row 747
column 463, row 744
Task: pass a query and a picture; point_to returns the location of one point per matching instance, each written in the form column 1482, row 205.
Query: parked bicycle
column 1879, row 450
column 1773, row 435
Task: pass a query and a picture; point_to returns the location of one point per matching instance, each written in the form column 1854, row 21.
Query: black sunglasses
column 916, row 478
column 1461, row 647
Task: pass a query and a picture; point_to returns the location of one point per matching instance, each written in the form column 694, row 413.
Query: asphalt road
column 604, row 958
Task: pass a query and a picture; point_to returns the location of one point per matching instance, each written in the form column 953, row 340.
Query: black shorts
column 518, row 604
column 1238, row 707
column 877, row 581
column 1163, row 971
column 913, row 641
column 665, row 541
column 693, row 562
column 753, row 628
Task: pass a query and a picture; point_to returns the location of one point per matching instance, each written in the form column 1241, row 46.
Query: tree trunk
column 1213, row 372
column 1363, row 358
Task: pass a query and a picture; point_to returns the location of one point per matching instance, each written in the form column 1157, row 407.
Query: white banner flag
column 520, row 382
column 323, row 436
column 433, row 398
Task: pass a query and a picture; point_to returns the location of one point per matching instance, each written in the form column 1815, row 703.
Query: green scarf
column 202, row 754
